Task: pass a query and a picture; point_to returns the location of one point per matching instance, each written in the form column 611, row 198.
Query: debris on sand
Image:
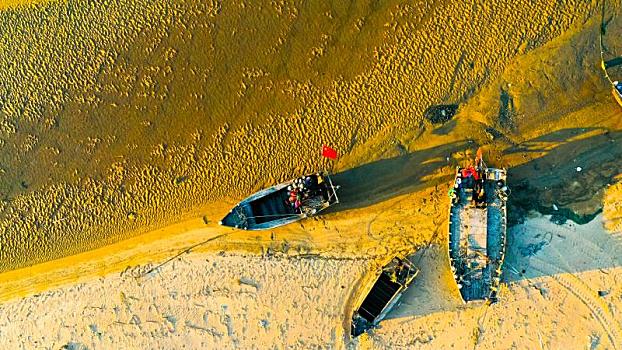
column 440, row 114
column 559, row 219
column 532, row 249
column 249, row 282
column 74, row 346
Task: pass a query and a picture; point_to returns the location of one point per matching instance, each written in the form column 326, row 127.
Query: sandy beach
column 564, row 293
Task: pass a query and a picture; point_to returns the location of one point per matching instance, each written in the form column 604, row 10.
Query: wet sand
column 109, row 133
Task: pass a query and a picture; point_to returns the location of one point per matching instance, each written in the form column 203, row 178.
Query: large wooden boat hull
column 477, row 237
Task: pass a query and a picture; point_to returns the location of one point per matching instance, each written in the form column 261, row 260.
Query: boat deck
column 272, row 207
column 477, row 241
column 379, row 296
column 383, row 295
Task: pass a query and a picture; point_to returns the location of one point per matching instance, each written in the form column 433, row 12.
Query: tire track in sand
column 585, row 294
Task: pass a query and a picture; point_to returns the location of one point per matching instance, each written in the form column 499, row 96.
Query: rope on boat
column 272, row 216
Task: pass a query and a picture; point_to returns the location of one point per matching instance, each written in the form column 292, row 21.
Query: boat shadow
column 379, row 181
column 539, row 248
column 575, row 166
column 433, row 290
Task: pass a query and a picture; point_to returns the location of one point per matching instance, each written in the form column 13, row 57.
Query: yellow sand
column 125, row 117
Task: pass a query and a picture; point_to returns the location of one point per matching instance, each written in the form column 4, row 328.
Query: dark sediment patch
column 525, row 199
column 440, row 114
column 445, row 128
column 568, row 179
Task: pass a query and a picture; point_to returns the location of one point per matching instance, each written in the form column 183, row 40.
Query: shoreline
column 165, row 244
column 261, row 292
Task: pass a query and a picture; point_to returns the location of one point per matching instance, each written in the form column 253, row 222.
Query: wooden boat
column 391, row 283
column 616, row 90
column 271, row 207
column 616, row 86
column 477, row 230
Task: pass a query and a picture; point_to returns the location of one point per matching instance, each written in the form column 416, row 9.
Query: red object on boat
column 469, row 171
column 329, row 152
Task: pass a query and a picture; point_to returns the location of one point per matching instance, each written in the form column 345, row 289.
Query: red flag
column 329, row 152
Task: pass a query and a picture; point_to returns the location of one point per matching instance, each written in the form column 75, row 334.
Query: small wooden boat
column 616, row 90
column 606, row 65
column 477, row 230
column 391, row 283
column 616, row 86
column 272, row 206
